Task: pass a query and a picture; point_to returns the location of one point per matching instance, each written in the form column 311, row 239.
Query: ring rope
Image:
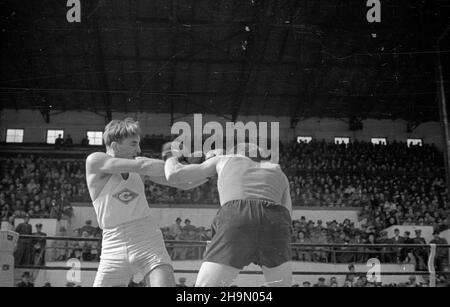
column 206, row 242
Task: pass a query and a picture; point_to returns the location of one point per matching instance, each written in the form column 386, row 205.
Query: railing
column 431, row 273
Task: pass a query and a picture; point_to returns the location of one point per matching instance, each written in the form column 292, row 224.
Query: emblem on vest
column 125, row 196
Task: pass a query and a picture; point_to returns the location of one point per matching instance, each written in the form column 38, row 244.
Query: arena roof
column 295, row 58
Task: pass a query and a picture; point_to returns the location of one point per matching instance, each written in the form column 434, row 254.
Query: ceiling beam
column 100, row 64
column 137, row 50
column 254, row 47
column 118, row 44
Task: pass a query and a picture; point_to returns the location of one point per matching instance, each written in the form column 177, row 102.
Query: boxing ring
column 430, row 274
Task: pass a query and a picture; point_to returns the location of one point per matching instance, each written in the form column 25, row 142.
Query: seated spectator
column 26, row 281
column 320, row 253
column 181, row 282
column 76, row 247
column 88, row 228
column 87, row 247
column 61, row 247
column 361, row 282
column 351, row 277
column 175, row 229
column 320, row 283
column 302, row 253
column 412, row 282
column 406, row 255
column 188, row 226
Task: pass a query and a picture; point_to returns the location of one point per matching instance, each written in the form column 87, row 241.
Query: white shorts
column 130, row 248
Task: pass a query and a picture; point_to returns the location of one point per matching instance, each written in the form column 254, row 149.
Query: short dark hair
column 118, row 130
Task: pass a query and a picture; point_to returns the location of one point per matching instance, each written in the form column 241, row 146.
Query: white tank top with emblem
column 121, row 201
column 242, row 178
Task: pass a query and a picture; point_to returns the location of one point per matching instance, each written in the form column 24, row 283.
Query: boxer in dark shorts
column 253, row 223
column 251, row 230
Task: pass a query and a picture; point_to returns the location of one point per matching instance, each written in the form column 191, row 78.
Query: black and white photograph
column 226, row 147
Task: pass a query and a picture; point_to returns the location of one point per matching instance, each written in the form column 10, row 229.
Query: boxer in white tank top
column 253, row 192
column 131, row 243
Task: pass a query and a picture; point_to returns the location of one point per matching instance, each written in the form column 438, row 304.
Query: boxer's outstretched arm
column 183, row 186
column 177, row 173
column 100, row 162
column 157, row 175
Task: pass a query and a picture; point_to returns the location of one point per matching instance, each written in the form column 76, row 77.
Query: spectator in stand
column 420, row 253
column 61, row 246
column 351, row 278
column 302, row 253
column 96, row 249
column 442, row 281
column 321, row 283
column 26, row 281
column 88, row 228
column 188, row 226
column 361, row 282
column 386, row 255
column 320, row 253
column 441, row 258
column 68, row 142
column 397, row 239
column 406, row 255
column 372, row 252
column 39, row 245
column 59, row 142
column 76, row 247
column 86, row 247
column 23, row 254
column 8, row 224
column 175, row 229
column 85, row 141
column 179, row 251
column 412, row 282
column 181, row 282
column 193, row 252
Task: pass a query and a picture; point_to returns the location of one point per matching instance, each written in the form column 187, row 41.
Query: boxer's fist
column 212, row 153
column 170, row 149
column 196, row 158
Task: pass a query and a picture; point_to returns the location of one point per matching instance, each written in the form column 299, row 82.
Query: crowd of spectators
column 393, row 185
column 40, row 187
